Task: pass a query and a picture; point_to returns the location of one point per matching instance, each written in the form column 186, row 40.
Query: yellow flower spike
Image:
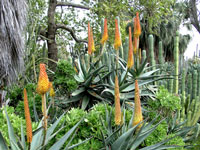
column 137, row 109
column 28, row 118
column 130, row 52
column 137, row 27
column 43, row 82
column 105, row 33
column 89, row 40
column 92, row 41
column 52, row 92
column 117, row 103
column 118, row 42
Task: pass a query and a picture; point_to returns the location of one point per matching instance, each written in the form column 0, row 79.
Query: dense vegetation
column 125, row 86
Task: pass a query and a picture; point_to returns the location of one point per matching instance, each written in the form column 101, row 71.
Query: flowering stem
column 29, row 146
column 44, row 117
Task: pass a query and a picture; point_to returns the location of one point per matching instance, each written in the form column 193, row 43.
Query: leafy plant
column 15, row 120
column 37, row 142
column 34, row 103
column 166, row 103
column 64, row 77
column 14, row 94
column 90, row 87
column 125, row 137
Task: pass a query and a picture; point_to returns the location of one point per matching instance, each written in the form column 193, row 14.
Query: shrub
column 165, row 104
column 16, row 121
column 64, row 77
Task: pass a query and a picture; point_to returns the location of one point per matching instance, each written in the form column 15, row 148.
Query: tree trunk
column 51, row 40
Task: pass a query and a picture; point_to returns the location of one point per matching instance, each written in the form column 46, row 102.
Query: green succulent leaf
column 3, row 145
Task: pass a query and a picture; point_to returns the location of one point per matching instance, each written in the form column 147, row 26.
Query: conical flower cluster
column 105, row 32
column 138, row 110
column 27, row 118
column 43, row 82
column 117, row 103
column 137, row 27
column 118, row 42
column 91, row 45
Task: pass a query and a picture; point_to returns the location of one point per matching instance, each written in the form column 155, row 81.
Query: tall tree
column 194, row 13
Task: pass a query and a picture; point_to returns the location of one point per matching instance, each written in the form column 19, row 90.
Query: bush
column 64, row 77
column 16, row 121
column 165, row 104
column 160, row 134
column 15, row 95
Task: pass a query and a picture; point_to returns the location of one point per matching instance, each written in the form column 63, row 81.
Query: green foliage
column 19, row 110
column 16, row 122
column 64, row 77
column 166, row 102
column 15, row 95
column 91, row 126
column 160, row 133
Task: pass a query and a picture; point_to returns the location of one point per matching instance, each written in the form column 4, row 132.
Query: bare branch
column 72, row 5
column 70, row 30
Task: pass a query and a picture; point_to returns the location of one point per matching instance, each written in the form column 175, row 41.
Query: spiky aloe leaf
column 122, row 139
column 85, row 102
column 37, row 138
column 3, row 145
column 143, row 134
column 52, row 128
column 78, row 91
column 58, row 145
column 13, row 140
column 160, row 145
column 75, row 145
column 23, row 137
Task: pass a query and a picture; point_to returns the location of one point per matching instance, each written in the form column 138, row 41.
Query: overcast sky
column 194, row 42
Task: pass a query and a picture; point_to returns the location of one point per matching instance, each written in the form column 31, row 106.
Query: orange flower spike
column 118, row 42
column 138, row 110
column 52, row 92
column 135, row 45
column 89, row 40
column 117, row 103
column 105, row 32
column 92, row 41
column 130, row 52
column 28, row 118
column 137, row 27
column 43, row 82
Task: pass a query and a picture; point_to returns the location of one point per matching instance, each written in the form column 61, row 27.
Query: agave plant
column 36, row 143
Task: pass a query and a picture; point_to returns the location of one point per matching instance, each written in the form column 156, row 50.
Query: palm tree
column 12, row 23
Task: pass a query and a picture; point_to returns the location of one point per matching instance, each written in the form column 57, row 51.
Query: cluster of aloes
column 130, row 62
column 39, row 139
column 133, row 49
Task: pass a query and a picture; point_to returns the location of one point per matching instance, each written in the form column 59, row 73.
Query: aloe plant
column 125, row 137
column 90, row 84
column 36, row 143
